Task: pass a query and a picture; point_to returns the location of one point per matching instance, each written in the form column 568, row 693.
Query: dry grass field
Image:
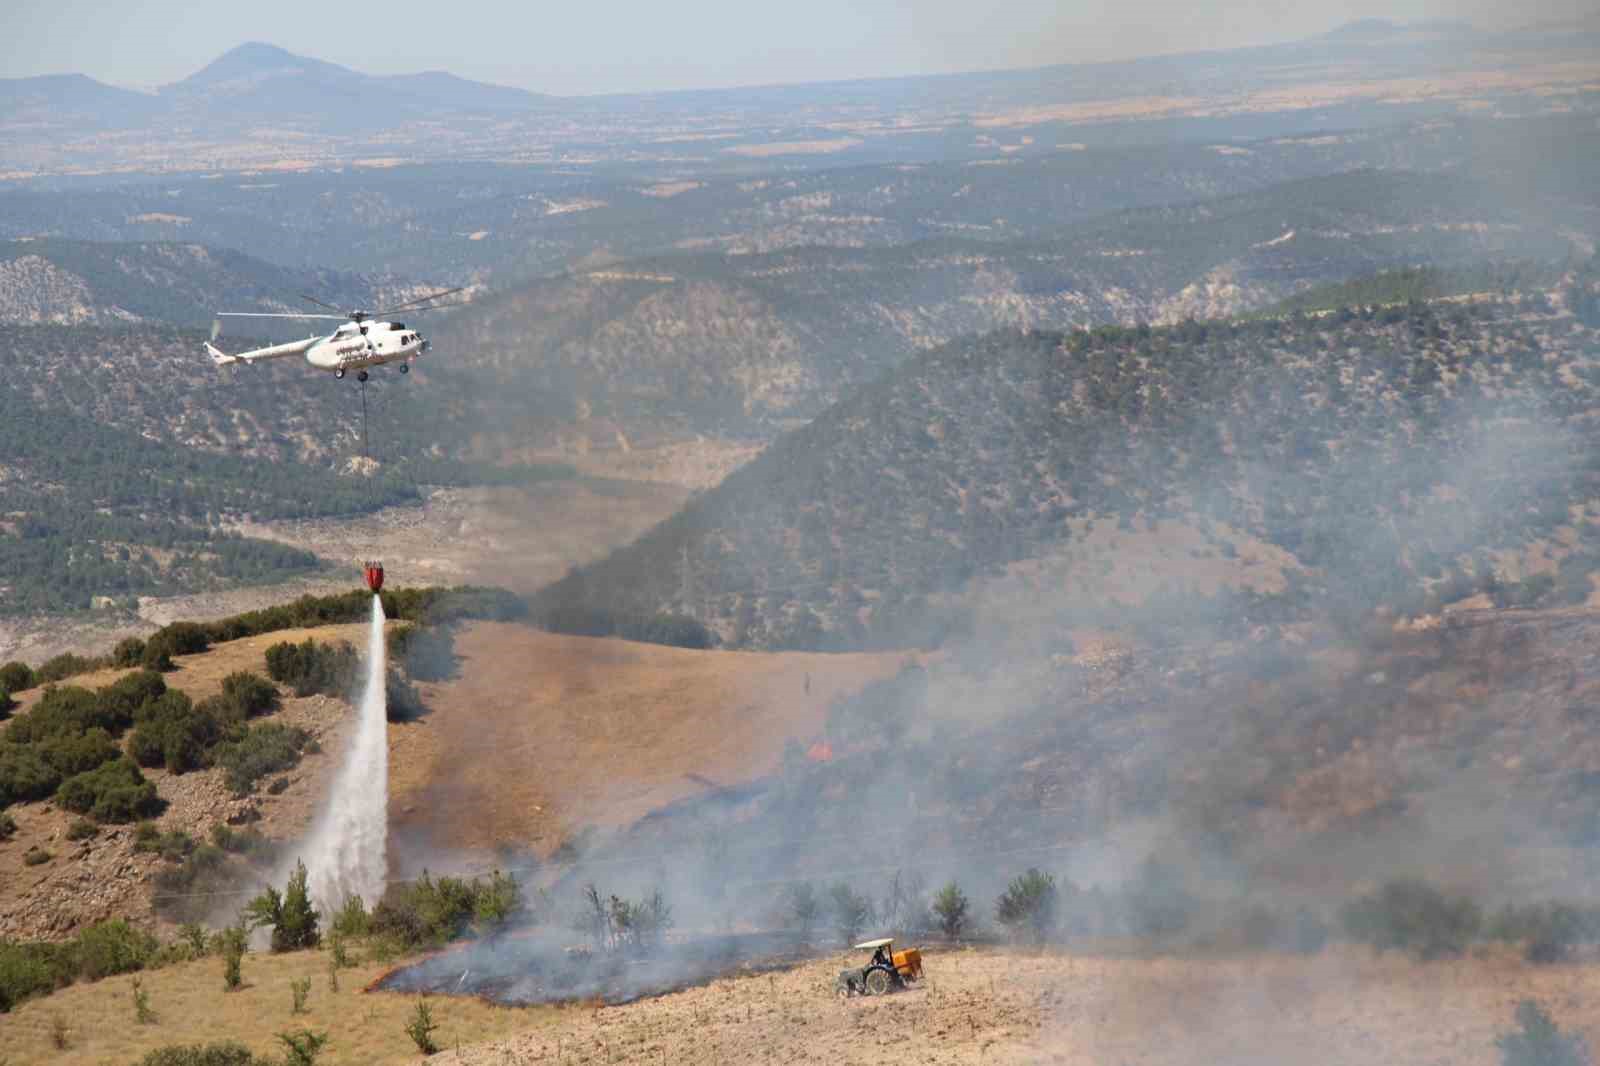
column 986, row 1006
column 191, row 1006
column 1341, row 1008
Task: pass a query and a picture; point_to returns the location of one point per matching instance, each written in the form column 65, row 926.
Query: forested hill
column 1403, row 456
column 75, row 282
column 716, row 342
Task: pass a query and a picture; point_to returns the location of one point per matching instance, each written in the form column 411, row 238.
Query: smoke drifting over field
column 1197, row 765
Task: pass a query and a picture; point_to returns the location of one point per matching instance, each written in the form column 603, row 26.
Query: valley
column 1128, row 528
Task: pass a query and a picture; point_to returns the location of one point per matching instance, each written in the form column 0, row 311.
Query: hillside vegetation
column 1404, row 456
column 81, row 282
column 718, row 343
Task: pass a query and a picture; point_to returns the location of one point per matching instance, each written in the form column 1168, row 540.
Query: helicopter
column 362, row 339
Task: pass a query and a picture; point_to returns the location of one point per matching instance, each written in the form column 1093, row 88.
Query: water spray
column 346, row 854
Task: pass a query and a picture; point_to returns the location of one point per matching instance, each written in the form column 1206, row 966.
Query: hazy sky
column 597, row 46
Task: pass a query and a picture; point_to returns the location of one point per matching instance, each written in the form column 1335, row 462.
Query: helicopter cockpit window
column 397, row 326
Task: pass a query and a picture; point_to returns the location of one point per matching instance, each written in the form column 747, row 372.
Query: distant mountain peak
column 256, row 61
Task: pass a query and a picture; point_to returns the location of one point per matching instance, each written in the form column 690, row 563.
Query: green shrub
column 62, row 666
column 24, row 775
column 114, row 792
column 126, row 696
column 850, row 911
column 498, row 902
column 249, row 694
column 142, row 1014
column 1028, row 905
column 36, row 856
column 1414, row 917
column 8, row 826
column 301, row 1048
column 146, row 837
column 310, row 667
column 157, row 658
column 950, row 907
column 338, row 954
column 65, row 711
column 265, row 749
column 7, row 704
column 174, row 733
column 76, row 753
column 175, row 845
column 426, row 912
column 1548, row 932
column 242, row 841
column 226, row 1053
column 16, row 677
column 128, row 652
column 421, row 1028
column 82, row 829
column 111, row 948
column 352, row 918
column 32, row 969
column 194, row 934
column 299, row 990
column 1538, row 1041
column 230, row 944
column 291, row 916
column 800, row 900
column 181, row 638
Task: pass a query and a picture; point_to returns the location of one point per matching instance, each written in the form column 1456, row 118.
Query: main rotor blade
column 275, row 314
column 421, row 300
column 437, row 307
column 319, row 303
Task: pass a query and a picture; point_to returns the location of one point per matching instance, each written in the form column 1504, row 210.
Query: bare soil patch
column 541, row 733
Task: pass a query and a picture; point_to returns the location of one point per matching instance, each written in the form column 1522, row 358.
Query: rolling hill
column 64, row 282
column 739, row 343
column 1404, row 456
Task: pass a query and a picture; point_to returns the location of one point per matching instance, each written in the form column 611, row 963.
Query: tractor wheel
column 878, row 982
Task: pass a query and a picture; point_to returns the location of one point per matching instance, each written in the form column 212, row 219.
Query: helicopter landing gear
column 405, row 368
column 362, row 376
column 339, row 373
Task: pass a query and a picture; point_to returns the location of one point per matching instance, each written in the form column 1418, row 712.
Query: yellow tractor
column 888, row 970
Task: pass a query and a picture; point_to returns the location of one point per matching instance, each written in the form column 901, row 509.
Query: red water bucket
column 375, row 577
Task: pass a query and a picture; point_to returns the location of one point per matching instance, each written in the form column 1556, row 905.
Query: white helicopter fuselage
column 353, row 347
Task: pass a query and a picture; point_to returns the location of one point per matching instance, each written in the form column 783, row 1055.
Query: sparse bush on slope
column 1414, row 917
column 113, row 792
column 225, row 1053
column 1027, row 908
column 264, row 749
column 312, row 667
column 1540, row 1042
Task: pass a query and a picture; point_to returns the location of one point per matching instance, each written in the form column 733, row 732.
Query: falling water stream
column 345, row 854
